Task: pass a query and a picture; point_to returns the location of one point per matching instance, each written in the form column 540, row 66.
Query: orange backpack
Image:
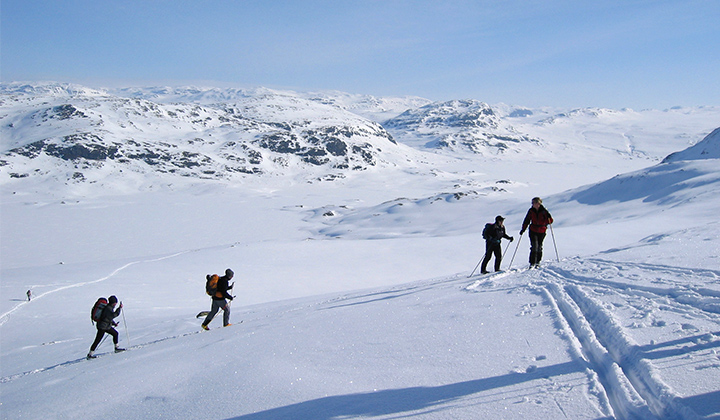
column 211, row 284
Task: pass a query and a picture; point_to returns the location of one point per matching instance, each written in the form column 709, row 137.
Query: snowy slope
column 708, row 148
column 354, row 295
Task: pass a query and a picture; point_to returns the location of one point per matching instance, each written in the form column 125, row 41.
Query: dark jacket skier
column 105, row 325
column 538, row 219
column 493, row 234
column 219, row 300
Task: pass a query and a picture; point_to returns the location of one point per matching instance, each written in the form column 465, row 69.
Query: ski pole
column 127, row 334
column 476, row 267
column 506, row 248
column 516, row 248
column 554, row 244
column 102, row 341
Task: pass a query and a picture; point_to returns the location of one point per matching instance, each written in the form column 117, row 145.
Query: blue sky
column 625, row 53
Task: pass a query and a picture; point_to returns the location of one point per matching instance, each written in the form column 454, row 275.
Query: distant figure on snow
column 538, row 219
column 493, row 234
column 220, row 300
column 105, row 324
column 29, row 295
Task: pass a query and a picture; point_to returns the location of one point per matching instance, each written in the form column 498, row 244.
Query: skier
column 105, row 325
column 219, row 300
column 29, row 295
column 493, row 234
column 538, row 219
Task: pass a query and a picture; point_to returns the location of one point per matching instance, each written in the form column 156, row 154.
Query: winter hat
column 229, row 273
column 112, row 299
column 499, row 218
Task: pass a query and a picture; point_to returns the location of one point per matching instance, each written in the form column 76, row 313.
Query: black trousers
column 100, row 335
column 490, row 249
column 536, row 247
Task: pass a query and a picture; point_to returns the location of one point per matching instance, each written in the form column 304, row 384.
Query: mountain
column 377, row 109
column 76, row 135
column 460, row 124
column 146, row 138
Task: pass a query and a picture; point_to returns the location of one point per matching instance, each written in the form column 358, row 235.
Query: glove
column 120, row 305
column 115, row 324
column 231, row 298
column 522, row 231
column 512, row 239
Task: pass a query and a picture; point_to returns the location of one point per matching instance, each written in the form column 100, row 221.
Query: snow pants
column 490, row 249
column 101, row 333
column 218, row 304
column 536, row 247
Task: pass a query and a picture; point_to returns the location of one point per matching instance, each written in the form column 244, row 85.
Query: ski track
column 633, row 385
column 5, row 316
column 629, row 384
column 83, row 359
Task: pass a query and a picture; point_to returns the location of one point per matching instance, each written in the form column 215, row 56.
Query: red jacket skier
column 538, row 219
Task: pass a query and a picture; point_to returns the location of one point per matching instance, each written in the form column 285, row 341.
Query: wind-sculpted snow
column 681, row 177
column 667, row 183
column 707, row 148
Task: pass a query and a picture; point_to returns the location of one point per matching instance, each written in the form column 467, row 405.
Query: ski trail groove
column 703, row 299
column 5, row 316
column 83, row 359
column 612, row 353
column 626, row 403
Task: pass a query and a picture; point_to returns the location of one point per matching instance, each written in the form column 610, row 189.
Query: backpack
column 486, row 231
column 211, row 282
column 97, row 309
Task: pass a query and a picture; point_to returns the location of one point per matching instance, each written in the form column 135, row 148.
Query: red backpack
column 97, row 309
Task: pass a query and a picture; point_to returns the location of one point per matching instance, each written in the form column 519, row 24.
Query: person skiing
column 105, row 325
column 493, row 234
column 538, row 219
column 219, row 300
column 29, row 295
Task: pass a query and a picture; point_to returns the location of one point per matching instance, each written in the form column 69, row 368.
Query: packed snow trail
column 5, row 316
column 633, row 383
column 98, row 355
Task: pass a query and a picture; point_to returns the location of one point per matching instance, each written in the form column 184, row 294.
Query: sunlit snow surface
column 354, row 298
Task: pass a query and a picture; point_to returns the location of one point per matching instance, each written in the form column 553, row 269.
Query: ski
column 95, row 356
column 237, row 323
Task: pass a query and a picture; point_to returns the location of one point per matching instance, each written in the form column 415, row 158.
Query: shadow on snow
column 394, row 401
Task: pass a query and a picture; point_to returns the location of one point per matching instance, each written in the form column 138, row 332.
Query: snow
column 354, row 298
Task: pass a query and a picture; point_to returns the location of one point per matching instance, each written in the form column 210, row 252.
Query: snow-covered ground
column 354, row 298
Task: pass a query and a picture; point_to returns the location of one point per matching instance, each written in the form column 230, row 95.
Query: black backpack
column 487, row 231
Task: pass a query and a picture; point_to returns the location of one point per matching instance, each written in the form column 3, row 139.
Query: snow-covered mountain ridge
column 70, row 133
column 464, row 124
